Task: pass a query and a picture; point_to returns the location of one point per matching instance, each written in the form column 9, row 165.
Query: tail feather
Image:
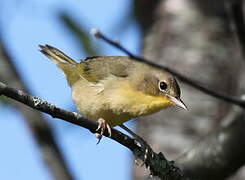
column 65, row 63
column 56, row 55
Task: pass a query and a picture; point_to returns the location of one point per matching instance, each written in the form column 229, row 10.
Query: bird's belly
column 94, row 105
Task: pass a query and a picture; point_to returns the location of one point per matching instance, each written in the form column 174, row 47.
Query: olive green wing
column 95, row 69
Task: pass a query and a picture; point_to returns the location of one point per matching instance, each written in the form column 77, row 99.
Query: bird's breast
column 134, row 102
column 116, row 104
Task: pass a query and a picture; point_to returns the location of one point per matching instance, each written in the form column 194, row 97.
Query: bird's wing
column 99, row 68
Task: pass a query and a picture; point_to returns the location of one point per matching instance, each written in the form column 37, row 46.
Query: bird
column 115, row 89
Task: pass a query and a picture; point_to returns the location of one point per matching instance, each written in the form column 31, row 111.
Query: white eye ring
column 162, row 86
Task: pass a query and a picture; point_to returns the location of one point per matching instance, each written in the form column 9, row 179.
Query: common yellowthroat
column 115, row 89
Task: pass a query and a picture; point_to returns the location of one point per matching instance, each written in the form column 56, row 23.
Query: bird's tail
column 64, row 62
column 57, row 56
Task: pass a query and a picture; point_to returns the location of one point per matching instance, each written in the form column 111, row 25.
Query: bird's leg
column 102, row 127
column 142, row 142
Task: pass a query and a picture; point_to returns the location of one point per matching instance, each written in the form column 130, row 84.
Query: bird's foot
column 102, row 127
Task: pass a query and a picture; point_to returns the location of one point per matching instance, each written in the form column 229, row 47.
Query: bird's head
column 161, row 85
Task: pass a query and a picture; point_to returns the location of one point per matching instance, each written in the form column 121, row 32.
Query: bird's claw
column 102, row 127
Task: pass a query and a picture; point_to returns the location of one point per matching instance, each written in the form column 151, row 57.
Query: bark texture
column 193, row 37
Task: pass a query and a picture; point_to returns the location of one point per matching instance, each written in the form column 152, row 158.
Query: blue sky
column 28, row 23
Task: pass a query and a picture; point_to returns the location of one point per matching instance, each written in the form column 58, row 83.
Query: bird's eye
column 162, row 85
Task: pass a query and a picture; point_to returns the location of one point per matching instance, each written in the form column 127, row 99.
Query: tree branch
column 189, row 81
column 38, row 126
column 220, row 154
column 157, row 163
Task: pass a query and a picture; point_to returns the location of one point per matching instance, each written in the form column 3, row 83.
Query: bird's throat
column 138, row 103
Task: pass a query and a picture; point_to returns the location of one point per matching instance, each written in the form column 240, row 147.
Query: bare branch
column 189, row 81
column 220, row 154
column 157, row 163
column 37, row 124
column 217, row 153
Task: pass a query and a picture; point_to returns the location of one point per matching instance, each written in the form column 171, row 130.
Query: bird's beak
column 178, row 102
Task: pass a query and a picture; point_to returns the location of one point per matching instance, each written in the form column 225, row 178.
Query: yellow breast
column 130, row 103
column 127, row 99
column 117, row 104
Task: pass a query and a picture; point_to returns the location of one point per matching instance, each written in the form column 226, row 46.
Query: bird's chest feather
column 136, row 103
column 115, row 102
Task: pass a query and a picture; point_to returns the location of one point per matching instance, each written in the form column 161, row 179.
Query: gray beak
column 178, row 102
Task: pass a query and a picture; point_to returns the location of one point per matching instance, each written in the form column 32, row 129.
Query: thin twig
column 157, row 163
column 181, row 77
